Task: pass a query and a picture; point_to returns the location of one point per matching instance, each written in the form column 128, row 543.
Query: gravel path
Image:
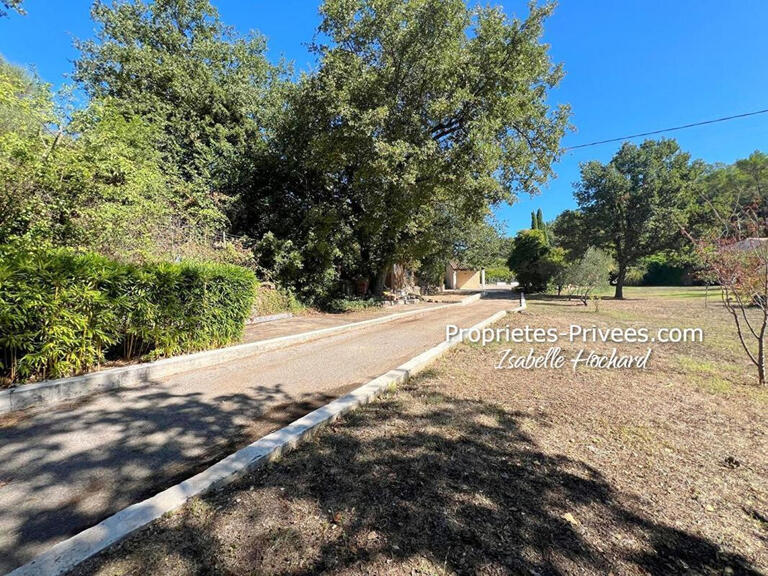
column 67, row 468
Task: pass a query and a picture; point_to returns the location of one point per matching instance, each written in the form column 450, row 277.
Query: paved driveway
column 71, row 466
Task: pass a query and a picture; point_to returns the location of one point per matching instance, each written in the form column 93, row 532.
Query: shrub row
column 62, row 312
column 498, row 274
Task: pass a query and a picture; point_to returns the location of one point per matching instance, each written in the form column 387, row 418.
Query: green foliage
column 188, row 306
column 26, row 111
column 498, row 274
column 114, row 195
column 56, row 317
column 646, row 221
column 537, row 223
column 341, row 305
column 481, row 245
column 96, row 181
column 724, row 193
column 203, row 88
column 635, row 276
column 420, row 116
column 557, row 264
column 6, row 5
column 637, row 204
column 589, row 273
column 533, row 261
column 63, row 312
column 568, row 232
column 271, row 300
column 662, row 274
column 673, row 268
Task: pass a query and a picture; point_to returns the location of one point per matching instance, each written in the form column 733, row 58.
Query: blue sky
column 632, row 66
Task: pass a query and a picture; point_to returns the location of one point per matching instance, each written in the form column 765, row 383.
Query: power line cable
column 683, row 127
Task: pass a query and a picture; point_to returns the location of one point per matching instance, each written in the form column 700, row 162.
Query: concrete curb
column 269, row 318
column 470, row 299
column 67, row 554
column 53, row 391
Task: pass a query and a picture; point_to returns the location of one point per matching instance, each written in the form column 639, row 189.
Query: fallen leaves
column 568, row 517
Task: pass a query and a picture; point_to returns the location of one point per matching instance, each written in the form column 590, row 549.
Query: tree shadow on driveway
column 434, row 485
column 66, row 469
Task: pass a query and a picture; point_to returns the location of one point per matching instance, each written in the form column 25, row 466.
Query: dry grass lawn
column 473, row 470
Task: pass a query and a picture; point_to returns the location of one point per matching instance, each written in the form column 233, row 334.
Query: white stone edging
column 53, row 391
column 470, row 299
column 67, row 554
column 268, row 318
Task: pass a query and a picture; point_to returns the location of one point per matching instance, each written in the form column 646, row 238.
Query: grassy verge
column 344, row 305
column 473, row 470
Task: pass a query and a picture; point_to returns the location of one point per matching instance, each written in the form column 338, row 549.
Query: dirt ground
column 474, row 470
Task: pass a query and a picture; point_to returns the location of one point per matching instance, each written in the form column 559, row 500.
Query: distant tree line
column 641, row 208
column 652, row 206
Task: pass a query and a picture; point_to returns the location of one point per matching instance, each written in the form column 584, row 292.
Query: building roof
column 456, row 265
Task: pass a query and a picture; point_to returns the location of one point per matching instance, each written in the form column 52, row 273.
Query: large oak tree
column 636, row 204
column 421, row 114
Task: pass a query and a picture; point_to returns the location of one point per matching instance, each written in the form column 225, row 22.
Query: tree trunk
column 620, row 277
column 381, row 278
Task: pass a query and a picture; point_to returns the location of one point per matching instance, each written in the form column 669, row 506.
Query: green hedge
column 61, row 312
column 498, row 274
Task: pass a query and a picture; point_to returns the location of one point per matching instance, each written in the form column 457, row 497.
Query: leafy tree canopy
column 534, row 261
column 636, row 204
column 567, row 232
column 176, row 66
column 589, row 273
column 420, row 116
column 7, row 5
column 482, row 245
column 726, row 192
column 94, row 180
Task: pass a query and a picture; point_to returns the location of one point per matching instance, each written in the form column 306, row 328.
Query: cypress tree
column 541, row 226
